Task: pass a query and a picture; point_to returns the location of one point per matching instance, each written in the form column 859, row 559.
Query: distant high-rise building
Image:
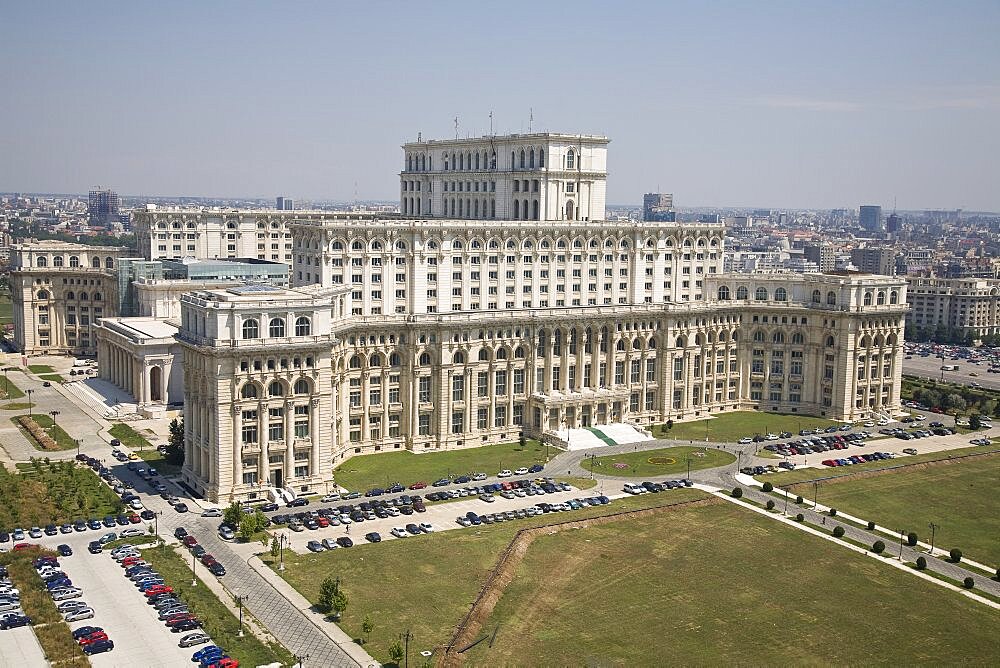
column 658, row 207
column 102, row 207
column 284, row 204
column 823, row 255
column 870, row 218
column 878, row 260
column 893, row 223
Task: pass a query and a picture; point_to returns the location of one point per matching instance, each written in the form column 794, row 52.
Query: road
column 930, row 367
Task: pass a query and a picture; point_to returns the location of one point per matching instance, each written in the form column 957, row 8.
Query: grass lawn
column 53, row 378
column 219, row 622
column 8, row 390
column 63, row 440
column 130, row 437
column 664, row 461
column 56, row 492
column 960, row 497
column 730, row 427
column 679, row 589
column 40, row 368
column 380, row 470
column 426, row 583
column 6, row 310
column 802, row 475
column 157, row 461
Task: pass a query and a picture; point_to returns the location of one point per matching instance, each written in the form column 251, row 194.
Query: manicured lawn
column 40, row 368
column 6, row 310
column 157, row 461
column 961, row 498
column 63, row 440
column 57, row 492
column 801, row 475
column 381, row 470
column 426, row 583
column 8, row 390
column 219, row 622
column 130, row 437
column 730, row 427
column 53, row 378
column 664, row 461
column 679, row 589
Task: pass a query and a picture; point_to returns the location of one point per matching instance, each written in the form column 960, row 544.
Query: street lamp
column 77, row 446
column 901, row 533
column 282, row 540
column 29, row 392
column 785, row 511
column 239, row 603
column 301, row 658
column 689, row 468
column 53, row 414
column 933, row 528
column 194, row 580
column 815, row 494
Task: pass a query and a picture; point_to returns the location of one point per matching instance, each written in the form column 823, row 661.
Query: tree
column 871, row 525
column 260, row 520
column 670, row 424
column 975, row 422
column 275, row 547
column 175, row 446
column 955, row 554
column 921, row 563
column 247, row 528
column 737, row 492
column 396, row 652
column 911, row 539
column 878, row 547
column 770, row 504
column 838, row 531
column 367, row 626
column 969, row 583
column 798, row 499
column 233, row 515
column 327, row 590
column 833, row 512
column 339, row 603
column 800, row 518
column 768, row 487
column 954, row 402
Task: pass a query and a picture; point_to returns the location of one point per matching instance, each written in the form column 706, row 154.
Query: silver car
column 69, row 606
column 192, row 639
column 80, row 614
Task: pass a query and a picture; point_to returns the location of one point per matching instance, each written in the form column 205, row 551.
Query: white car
column 920, row 418
column 771, row 437
column 464, row 521
column 9, row 606
column 479, row 476
column 869, row 423
column 634, row 489
column 212, row 512
column 130, row 533
column 506, row 473
column 330, row 497
column 225, row 533
column 426, row 527
column 521, row 471
column 66, row 593
column 745, row 440
column 345, row 519
column 79, row 614
column 136, row 504
column 399, row 532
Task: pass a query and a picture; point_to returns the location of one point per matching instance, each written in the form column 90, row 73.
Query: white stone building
column 142, row 356
column 970, row 305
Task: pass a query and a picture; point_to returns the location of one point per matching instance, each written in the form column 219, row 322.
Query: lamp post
column 405, row 637
column 239, row 602
column 194, row 580
column 301, row 658
column 815, row 495
column 901, row 534
column 785, row 511
column 77, row 446
column 29, row 392
column 282, row 539
column 933, row 530
column 689, row 468
column 53, row 414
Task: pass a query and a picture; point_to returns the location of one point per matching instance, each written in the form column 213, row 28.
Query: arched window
column 42, row 262
column 781, row 295
column 519, row 353
column 893, row 297
column 355, row 362
column 816, row 296
column 57, row 261
column 459, row 357
column 636, row 344
column 395, row 360
column 70, row 295
column 96, row 263
column 797, row 338
column 880, row 298
column 425, row 359
column 522, row 159
column 517, row 209
column 531, row 159
column 501, row 354
column 83, row 296
column 249, row 391
column 829, row 342
column 251, row 329
column 374, row 361
column 778, row 337
column 484, row 355
column 868, row 299
column 758, row 336
column 681, row 342
column 302, row 326
column 276, row 389
column 742, row 292
column 97, row 296
column 831, row 298
column 493, row 160
column 541, row 157
column 74, row 261
column 276, row 328
column 724, row 293
column 570, row 159
column 302, row 386
column 43, row 294
column 761, row 295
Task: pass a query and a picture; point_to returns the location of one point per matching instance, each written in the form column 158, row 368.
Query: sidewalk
column 332, row 630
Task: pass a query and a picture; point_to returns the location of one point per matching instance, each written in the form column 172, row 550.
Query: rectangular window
column 483, row 384
column 393, row 395
column 301, row 421
column 518, row 381
column 679, row 369
column 483, row 418
column 424, row 424
column 375, row 397
column 424, row 389
column 302, row 471
column 355, row 398
column 501, row 383
column 556, row 378
column 619, row 373
column 651, row 370
column 500, row 416
column 457, row 422
column 636, row 371
column 249, row 426
column 457, row 387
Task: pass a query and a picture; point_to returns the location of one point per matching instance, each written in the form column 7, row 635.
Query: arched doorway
column 569, row 210
column 155, row 384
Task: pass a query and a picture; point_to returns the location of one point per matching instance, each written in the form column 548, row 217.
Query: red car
column 418, row 485
column 158, row 589
column 206, row 559
column 828, row 462
column 24, row 546
column 130, row 561
column 322, row 521
column 93, row 637
column 134, row 519
column 225, row 662
column 174, row 620
column 189, row 541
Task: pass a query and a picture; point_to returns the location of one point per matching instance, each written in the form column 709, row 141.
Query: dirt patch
column 470, row 628
column 896, row 469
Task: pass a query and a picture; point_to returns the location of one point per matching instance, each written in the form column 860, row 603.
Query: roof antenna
column 456, row 127
column 531, row 118
column 491, row 123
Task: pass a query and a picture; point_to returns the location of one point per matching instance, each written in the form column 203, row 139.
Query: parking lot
column 19, row 647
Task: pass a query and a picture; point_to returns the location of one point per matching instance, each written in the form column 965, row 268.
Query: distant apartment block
column 870, row 218
column 284, row 204
column 823, row 255
column 102, row 207
column 875, row 260
column 970, row 305
column 658, row 207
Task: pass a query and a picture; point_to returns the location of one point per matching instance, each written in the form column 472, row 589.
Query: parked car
column 225, row 533
column 193, row 639
column 65, row 550
column 12, row 621
column 315, row 546
column 79, row 614
column 344, row 541
column 98, row 647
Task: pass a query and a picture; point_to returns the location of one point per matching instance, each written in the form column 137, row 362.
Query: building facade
column 142, row 357
column 943, row 305
column 59, row 290
column 870, row 218
column 541, row 176
column 878, row 260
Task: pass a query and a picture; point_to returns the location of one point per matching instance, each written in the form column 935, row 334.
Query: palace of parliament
column 499, row 302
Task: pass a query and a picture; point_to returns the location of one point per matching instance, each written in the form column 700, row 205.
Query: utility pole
column 933, row 529
column 194, row 562
column 77, row 446
column 239, row 603
column 689, row 468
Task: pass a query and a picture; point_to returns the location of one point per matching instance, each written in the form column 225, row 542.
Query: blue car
column 536, row 468
column 58, row 584
column 209, row 650
column 213, row 658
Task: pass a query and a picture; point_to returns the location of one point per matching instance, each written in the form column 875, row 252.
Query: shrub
column 770, row 504
column 921, row 563
column 833, row 512
column 871, row 526
column 737, row 492
column 998, row 574
column 768, row 487
column 798, row 499
column 955, row 554
column 838, row 531
column 800, row 518
column 911, row 539
column 878, row 547
column 968, row 583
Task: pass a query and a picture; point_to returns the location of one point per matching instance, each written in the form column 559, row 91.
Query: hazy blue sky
column 764, row 103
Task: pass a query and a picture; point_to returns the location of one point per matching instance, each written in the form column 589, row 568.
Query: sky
column 769, row 104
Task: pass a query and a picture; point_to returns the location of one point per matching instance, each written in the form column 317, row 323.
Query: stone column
column 289, row 442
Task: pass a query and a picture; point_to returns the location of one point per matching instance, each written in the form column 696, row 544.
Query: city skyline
column 776, row 107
